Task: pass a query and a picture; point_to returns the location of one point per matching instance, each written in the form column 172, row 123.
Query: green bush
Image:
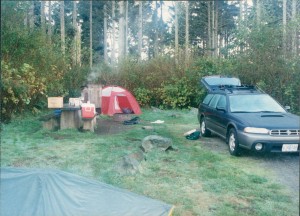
column 21, row 89
column 143, row 96
column 176, row 94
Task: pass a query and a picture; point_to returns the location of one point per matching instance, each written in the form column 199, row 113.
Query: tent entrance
column 124, row 104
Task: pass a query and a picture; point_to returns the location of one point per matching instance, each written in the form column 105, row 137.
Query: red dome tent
column 116, row 99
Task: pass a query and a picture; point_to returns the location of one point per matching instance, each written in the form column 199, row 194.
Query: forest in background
column 159, row 50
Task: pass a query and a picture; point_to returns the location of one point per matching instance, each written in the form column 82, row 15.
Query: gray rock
column 174, row 115
column 155, row 109
column 148, row 128
column 131, row 164
column 154, row 141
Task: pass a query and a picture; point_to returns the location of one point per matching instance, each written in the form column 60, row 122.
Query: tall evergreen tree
column 62, row 27
column 91, row 34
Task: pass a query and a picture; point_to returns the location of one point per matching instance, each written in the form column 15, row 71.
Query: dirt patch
column 109, row 126
column 57, row 136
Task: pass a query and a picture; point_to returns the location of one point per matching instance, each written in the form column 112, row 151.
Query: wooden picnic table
column 70, row 117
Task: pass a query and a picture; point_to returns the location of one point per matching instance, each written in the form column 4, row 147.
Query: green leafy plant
column 143, row 96
column 176, row 94
column 20, row 88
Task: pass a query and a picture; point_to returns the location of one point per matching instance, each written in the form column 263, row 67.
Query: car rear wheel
column 233, row 142
column 204, row 131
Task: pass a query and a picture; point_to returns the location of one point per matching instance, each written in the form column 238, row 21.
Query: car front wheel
column 204, row 131
column 233, row 142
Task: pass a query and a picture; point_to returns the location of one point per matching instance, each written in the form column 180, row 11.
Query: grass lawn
column 193, row 179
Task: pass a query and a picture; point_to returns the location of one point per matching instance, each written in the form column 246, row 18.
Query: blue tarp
column 47, row 192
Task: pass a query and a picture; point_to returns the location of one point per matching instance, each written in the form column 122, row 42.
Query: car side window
column 222, row 101
column 207, row 99
column 213, row 102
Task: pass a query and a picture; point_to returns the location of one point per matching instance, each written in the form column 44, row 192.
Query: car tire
column 204, row 131
column 233, row 143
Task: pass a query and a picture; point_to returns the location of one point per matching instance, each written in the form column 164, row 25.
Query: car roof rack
column 231, row 88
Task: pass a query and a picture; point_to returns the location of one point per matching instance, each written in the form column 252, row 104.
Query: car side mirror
column 287, row 108
column 221, row 108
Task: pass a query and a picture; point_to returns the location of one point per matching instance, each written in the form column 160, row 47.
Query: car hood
column 269, row 120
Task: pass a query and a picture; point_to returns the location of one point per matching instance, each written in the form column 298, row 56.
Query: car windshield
column 254, row 103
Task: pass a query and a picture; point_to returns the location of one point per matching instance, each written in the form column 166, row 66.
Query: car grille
column 285, row 132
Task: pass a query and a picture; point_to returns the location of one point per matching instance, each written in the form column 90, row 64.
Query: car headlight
column 256, row 130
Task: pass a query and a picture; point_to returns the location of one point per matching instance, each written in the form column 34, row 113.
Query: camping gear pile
column 109, row 100
column 132, row 121
column 192, row 134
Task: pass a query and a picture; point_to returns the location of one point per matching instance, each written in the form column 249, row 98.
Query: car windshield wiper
column 241, row 112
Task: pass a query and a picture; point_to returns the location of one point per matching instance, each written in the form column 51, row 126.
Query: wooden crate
column 55, row 102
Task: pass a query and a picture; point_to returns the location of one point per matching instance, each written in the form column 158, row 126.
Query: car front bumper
column 270, row 143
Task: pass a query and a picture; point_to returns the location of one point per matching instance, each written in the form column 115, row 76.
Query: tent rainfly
column 116, row 99
column 47, row 192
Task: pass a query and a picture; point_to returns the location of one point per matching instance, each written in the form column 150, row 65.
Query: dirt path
column 108, row 126
column 284, row 166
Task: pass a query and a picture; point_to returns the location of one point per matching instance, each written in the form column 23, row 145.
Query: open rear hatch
column 216, row 81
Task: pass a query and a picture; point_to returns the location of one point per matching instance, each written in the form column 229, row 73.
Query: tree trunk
column 126, row 28
column 295, row 29
column 161, row 34
column 121, row 30
column 258, row 11
column 91, row 34
column 176, row 33
column 213, row 29
column 31, row 16
column 105, row 34
column 208, row 48
column 140, row 32
column 26, row 20
column 43, row 25
column 49, row 22
column 241, row 9
column 241, row 5
column 221, row 45
column 284, row 27
column 216, row 28
column 245, row 14
column 156, row 30
column 74, row 49
column 113, row 51
column 187, row 32
column 62, row 27
column 79, row 45
column 161, row 10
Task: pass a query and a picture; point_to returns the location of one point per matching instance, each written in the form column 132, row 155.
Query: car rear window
column 212, row 81
column 222, row 102
column 214, row 101
column 207, row 98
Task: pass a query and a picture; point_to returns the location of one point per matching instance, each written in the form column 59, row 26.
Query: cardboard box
column 55, row 102
column 75, row 102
